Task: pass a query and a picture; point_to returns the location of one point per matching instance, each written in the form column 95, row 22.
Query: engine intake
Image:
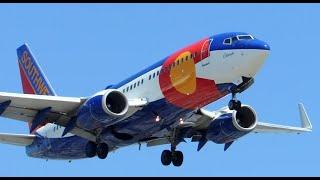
column 244, row 119
column 231, row 126
column 102, row 109
column 115, row 103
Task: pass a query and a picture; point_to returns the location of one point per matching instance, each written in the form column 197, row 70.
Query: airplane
column 164, row 104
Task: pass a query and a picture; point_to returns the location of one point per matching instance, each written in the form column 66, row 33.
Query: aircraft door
column 205, row 52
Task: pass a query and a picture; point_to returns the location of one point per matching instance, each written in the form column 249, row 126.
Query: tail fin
column 33, row 79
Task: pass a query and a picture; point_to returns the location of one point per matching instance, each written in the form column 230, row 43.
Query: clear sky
column 84, row 47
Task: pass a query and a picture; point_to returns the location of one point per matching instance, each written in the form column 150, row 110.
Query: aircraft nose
column 265, row 46
column 258, row 44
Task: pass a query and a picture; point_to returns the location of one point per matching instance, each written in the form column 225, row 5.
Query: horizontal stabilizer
column 17, row 139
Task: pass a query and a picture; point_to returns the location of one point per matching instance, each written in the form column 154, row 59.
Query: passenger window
column 123, row 90
column 157, row 73
column 154, row 74
column 131, row 87
column 141, row 81
column 134, row 86
column 178, row 62
column 186, row 58
column 138, row 83
column 149, row 76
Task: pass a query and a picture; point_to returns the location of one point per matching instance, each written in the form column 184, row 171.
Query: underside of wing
column 24, row 107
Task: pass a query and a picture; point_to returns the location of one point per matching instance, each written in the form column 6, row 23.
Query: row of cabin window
column 180, row 61
column 161, row 71
column 132, row 86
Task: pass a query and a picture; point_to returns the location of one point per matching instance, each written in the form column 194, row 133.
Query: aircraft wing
column 24, row 107
column 305, row 124
column 200, row 120
column 17, row 139
column 204, row 117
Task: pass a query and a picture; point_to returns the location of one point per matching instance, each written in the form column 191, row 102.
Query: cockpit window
column 227, row 41
column 234, row 39
column 244, row 37
column 230, row 40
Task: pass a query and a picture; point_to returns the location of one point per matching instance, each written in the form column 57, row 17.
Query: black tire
column 238, row 105
column 166, row 157
column 177, row 158
column 102, row 150
column 91, row 149
column 234, row 105
column 231, row 104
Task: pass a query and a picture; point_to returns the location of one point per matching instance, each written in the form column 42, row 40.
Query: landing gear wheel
column 177, row 158
column 91, row 149
column 102, row 150
column 234, row 105
column 166, row 157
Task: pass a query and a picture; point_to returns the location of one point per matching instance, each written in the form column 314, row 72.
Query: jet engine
column 231, row 126
column 102, row 109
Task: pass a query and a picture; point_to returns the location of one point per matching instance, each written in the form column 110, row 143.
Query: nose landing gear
column 234, row 104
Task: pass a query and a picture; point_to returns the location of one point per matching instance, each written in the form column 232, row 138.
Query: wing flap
column 20, row 114
column 17, row 139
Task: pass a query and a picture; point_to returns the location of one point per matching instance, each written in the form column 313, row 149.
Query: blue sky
column 84, row 47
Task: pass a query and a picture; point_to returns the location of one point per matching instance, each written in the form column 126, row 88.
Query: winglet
column 305, row 122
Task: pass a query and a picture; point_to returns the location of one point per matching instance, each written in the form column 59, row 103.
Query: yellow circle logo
column 183, row 75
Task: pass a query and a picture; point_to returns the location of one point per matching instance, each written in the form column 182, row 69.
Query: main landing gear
column 93, row 149
column 176, row 157
column 168, row 156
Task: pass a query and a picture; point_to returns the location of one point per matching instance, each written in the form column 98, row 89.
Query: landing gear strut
column 93, row 149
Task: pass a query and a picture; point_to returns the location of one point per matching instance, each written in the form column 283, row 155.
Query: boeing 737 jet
column 162, row 104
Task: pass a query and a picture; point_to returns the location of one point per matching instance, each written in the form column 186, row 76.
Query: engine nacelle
column 102, row 109
column 231, row 126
